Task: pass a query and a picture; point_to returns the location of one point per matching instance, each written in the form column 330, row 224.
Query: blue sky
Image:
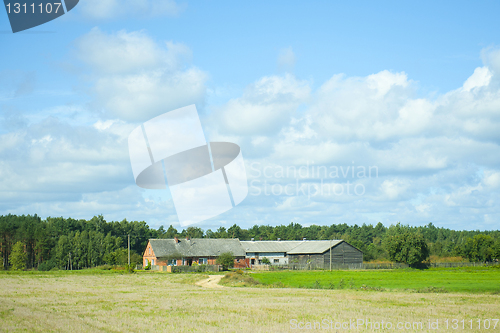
column 410, row 89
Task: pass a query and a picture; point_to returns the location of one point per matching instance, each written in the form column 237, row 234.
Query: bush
column 130, row 268
column 226, row 260
column 105, row 267
column 47, row 265
column 266, row 261
column 148, row 266
column 236, row 279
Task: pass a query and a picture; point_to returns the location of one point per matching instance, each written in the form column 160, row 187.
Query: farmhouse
column 320, row 253
column 176, row 252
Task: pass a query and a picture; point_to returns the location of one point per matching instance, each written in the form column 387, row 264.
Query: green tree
column 171, row 232
column 226, row 259
column 406, row 246
column 266, row 261
column 234, row 231
column 62, row 250
column 193, row 232
column 479, row 248
column 221, row 233
column 18, row 257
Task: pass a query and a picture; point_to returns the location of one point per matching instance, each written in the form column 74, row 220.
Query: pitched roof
column 314, row 246
column 270, row 246
column 196, row 247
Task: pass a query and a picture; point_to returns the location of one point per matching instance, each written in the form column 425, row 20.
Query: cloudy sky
column 345, row 113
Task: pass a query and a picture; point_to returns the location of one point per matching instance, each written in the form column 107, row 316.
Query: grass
column 470, row 279
column 238, row 279
column 90, row 301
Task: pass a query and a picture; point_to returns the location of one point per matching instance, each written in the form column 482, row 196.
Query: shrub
column 105, row 267
column 236, row 279
column 148, row 266
column 226, row 259
column 47, row 265
column 130, row 268
column 266, row 261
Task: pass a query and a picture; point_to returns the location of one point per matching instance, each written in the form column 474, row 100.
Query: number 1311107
column 23, row 8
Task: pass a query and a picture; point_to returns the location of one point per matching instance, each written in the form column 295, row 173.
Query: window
column 276, row 261
column 202, row 261
column 152, row 262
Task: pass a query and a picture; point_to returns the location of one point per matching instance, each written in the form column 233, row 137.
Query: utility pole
column 129, row 251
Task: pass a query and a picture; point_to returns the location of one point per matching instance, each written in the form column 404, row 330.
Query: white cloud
column 393, row 189
column 265, row 107
column 491, row 58
column 480, row 78
column 136, row 78
column 492, row 179
column 120, row 53
column 428, row 151
column 437, row 158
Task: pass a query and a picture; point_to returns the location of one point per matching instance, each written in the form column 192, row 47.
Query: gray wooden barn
column 320, row 253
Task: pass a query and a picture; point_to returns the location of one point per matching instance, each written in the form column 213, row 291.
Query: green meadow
column 110, row 301
column 469, row 280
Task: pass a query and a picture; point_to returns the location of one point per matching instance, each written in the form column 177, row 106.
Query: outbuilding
column 320, row 253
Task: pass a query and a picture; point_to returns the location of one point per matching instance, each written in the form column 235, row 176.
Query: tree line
column 67, row 243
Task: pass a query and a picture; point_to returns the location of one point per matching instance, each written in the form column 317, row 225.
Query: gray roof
column 314, row 246
column 196, row 247
column 269, row 246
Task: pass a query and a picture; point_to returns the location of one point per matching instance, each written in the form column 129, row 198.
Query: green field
column 470, row 279
column 108, row 301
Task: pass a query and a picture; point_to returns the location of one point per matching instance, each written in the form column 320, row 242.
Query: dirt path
column 211, row 282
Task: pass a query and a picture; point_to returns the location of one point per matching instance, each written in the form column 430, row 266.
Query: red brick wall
column 149, row 255
column 243, row 263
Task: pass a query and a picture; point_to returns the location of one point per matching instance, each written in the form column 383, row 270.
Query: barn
column 321, row 253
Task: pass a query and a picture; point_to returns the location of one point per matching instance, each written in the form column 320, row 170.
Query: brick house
column 177, row 252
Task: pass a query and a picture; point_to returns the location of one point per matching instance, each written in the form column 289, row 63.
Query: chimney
column 176, row 240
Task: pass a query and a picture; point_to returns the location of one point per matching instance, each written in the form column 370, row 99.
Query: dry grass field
column 161, row 302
